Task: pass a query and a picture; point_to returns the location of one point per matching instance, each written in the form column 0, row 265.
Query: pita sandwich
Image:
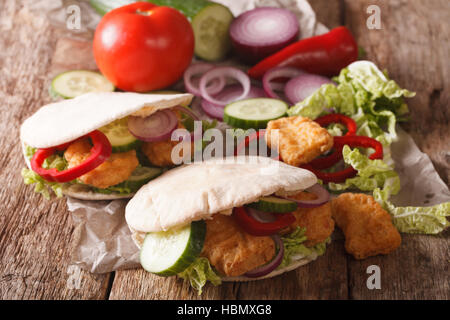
column 188, row 222
column 85, row 148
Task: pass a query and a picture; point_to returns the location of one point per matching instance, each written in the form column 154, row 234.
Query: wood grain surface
column 35, row 234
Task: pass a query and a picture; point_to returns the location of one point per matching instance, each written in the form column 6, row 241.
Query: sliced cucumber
column 140, row 176
column 254, row 113
column 211, row 31
column 119, row 136
column 167, row 253
column 210, row 22
column 273, row 204
column 74, row 83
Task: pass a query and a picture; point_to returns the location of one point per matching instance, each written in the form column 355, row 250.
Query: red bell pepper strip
column 326, row 54
column 336, row 156
column 352, row 141
column 99, row 153
column 256, row 228
column 248, row 139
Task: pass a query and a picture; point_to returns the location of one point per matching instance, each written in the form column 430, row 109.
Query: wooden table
column 35, row 234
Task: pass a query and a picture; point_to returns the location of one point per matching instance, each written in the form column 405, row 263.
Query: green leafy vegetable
column 294, row 246
column 372, row 174
column 198, row 273
column 427, row 220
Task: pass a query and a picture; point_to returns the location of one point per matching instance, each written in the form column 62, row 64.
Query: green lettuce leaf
column 426, row 220
column 294, row 246
column 198, row 273
column 371, row 174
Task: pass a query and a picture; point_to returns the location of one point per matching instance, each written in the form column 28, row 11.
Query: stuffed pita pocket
column 101, row 146
column 234, row 219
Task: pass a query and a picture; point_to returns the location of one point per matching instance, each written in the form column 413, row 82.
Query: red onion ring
column 156, row 127
column 299, row 88
column 229, row 93
column 323, row 196
column 273, row 264
column 222, row 72
column 201, row 68
column 278, row 72
column 264, row 217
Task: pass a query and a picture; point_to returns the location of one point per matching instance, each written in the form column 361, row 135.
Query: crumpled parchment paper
column 102, row 241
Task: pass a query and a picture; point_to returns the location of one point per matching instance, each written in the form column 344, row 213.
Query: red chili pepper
column 248, row 139
column 326, row 54
column 99, row 153
column 352, row 141
column 336, row 156
column 256, row 228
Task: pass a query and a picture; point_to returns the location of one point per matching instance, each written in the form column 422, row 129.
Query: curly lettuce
column 200, row 272
column 371, row 174
column 294, row 247
column 425, row 220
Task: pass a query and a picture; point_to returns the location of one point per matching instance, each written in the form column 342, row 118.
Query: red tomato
column 142, row 47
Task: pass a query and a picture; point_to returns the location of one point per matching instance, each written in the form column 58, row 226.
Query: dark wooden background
column 35, row 234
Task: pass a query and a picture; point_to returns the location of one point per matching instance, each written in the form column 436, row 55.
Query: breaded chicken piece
column 317, row 221
column 300, row 140
column 232, row 251
column 116, row 169
column 160, row 153
column 367, row 227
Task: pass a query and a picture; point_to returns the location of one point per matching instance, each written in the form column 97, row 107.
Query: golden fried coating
column 160, row 153
column 367, row 227
column 232, row 251
column 317, row 221
column 116, row 169
column 299, row 139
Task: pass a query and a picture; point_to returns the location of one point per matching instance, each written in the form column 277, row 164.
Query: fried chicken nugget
column 116, row 169
column 160, row 153
column 300, row 139
column 317, row 221
column 232, row 251
column 367, row 227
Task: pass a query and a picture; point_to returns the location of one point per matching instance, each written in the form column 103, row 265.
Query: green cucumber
column 119, row 136
column 210, row 22
column 274, row 204
column 254, row 113
column 168, row 253
column 140, row 176
column 74, row 83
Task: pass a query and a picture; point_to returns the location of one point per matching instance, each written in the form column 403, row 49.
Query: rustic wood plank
column 413, row 46
column 328, row 12
column 35, row 234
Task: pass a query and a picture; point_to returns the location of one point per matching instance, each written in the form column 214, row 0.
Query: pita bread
column 67, row 120
column 199, row 190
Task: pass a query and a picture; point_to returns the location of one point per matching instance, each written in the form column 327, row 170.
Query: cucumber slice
column 211, row 32
column 254, row 113
column 167, row 253
column 273, row 204
column 142, row 175
column 74, row 83
column 119, row 136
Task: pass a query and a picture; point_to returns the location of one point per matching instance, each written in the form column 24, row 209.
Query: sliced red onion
column 156, row 127
column 218, row 72
column 323, row 196
column 264, row 217
column 260, row 32
column 230, row 92
column 199, row 69
column 299, row 88
column 273, row 264
column 275, row 73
